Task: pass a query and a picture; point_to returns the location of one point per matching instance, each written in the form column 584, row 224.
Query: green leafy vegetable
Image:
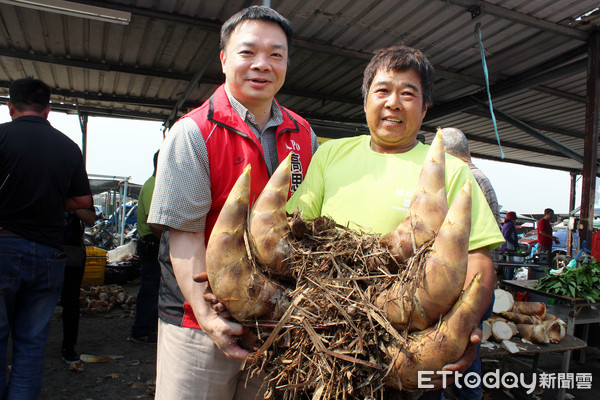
column 583, row 281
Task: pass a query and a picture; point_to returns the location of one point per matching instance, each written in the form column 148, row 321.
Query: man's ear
column 223, row 58
column 424, row 111
column 46, row 111
column 11, row 109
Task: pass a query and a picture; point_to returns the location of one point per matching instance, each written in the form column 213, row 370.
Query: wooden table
column 506, row 264
column 576, row 310
column 511, row 265
column 566, row 345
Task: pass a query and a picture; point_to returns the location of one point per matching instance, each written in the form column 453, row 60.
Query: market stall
column 576, row 309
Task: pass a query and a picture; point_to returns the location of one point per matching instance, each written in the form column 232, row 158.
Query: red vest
column 232, row 145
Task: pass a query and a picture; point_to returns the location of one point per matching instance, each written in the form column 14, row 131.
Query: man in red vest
column 200, row 160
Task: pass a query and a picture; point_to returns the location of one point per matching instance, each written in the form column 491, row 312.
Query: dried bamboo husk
column 331, row 342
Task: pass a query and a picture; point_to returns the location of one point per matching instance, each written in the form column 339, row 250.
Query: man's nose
column 393, row 101
column 261, row 62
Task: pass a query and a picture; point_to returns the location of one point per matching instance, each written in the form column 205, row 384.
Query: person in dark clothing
column 74, row 269
column 42, row 174
column 145, row 325
column 509, row 231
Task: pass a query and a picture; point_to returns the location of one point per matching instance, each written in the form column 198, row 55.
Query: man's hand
column 217, row 324
column 225, row 334
column 188, row 255
column 461, row 365
column 210, row 297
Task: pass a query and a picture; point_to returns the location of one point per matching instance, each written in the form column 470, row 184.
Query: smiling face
column 394, row 110
column 254, row 62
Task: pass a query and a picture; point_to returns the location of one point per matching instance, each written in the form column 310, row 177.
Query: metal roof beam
column 507, row 144
column 109, row 113
column 560, row 93
column 192, row 85
column 520, row 18
column 527, row 163
column 485, row 113
column 103, row 112
column 136, row 101
column 156, row 74
column 336, row 130
column 215, row 26
column 69, row 62
column 505, row 88
column 565, row 150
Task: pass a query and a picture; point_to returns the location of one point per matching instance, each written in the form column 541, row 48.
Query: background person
column 348, row 175
column 456, row 144
column 509, row 231
column 42, row 174
column 145, row 325
column 544, row 246
column 74, row 269
column 202, row 157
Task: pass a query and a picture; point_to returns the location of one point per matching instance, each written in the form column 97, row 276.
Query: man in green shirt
column 367, row 182
column 145, row 325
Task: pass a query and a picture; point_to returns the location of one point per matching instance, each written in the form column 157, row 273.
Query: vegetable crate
column 95, row 266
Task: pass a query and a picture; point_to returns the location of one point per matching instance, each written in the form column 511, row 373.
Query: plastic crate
column 95, row 266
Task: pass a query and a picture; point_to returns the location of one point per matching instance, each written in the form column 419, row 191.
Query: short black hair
column 548, row 211
column 29, row 94
column 400, row 58
column 259, row 13
column 155, row 161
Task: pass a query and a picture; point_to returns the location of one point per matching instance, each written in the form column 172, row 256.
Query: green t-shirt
column 370, row 191
column 144, row 206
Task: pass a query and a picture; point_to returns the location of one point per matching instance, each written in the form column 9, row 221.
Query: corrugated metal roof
column 535, row 52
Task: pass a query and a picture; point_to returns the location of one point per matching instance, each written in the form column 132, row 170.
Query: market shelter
column 130, row 59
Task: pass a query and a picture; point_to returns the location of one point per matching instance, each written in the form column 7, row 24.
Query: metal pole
column 571, row 207
column 83, row 120
column 592, row 116
column 123, row 213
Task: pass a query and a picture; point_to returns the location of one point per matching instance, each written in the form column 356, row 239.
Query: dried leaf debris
column 331, row 342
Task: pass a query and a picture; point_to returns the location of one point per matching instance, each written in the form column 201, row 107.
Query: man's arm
column 87, row 215
column 188, row 256
column 77, row 202
column 479, row 262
